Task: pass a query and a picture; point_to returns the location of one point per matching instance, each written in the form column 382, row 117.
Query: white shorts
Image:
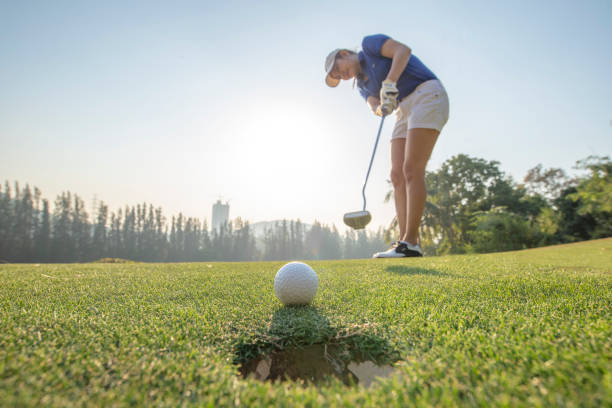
column 426, row 107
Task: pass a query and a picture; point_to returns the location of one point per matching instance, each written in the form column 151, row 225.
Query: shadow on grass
column 301, row 344
column 411, row 270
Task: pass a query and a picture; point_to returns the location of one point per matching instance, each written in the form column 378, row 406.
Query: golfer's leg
column 419, row 145
column 398, row 148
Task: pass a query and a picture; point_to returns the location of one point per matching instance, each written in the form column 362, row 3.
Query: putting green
column 522, row 328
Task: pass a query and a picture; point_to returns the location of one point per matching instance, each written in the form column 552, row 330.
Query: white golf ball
column 296, row 284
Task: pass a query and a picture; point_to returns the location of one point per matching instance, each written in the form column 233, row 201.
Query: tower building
column 220, row 214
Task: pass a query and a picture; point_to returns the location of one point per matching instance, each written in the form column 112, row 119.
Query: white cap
column 329, row 65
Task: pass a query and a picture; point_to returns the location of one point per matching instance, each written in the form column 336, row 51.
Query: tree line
column 32, row 231
column 472, row 206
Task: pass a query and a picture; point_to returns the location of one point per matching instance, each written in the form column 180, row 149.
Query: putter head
column 357, row 219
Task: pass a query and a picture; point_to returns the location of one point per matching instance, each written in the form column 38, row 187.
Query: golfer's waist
column 430, row 84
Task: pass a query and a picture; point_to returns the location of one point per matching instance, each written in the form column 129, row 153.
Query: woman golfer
column 390, row 77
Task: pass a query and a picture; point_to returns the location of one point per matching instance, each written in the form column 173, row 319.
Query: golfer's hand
column 373, row 103
column 388, row 96
column 383, row 110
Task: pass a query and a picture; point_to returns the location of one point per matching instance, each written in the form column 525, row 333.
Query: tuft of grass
column 526, row 328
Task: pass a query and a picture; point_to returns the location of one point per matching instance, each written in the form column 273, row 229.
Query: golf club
column 359, row 219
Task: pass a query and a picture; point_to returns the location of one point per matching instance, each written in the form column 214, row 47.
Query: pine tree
column 148, row 235
column 330, row 247
column 129, row 234
column 36, row 223
column 161, row 236
column 42, row 239
column 299, row 239
column 205, row 243
column 312, row 241
column 80, row 231
column 115, row 241
column 62, row 244
column 244, row 242
column 100, row 244
column 191, row 245
column 139, row 232
column 222, row 242
column 249, row 247
column 180, row 237
column 23, row 225
column 284, row 240
column 173, row 244
column 349, row 244
column 6, row 221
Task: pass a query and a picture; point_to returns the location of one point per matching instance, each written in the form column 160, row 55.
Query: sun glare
column 281, row 145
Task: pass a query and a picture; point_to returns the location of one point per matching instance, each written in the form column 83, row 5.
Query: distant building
column 220, row 214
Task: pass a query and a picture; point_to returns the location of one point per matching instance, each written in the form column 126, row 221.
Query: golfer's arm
column 400, row 54
column 373, row 102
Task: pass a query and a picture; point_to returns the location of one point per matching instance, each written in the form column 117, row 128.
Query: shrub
column 497, row 230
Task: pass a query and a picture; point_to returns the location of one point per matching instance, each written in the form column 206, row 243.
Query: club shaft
column 382, row 120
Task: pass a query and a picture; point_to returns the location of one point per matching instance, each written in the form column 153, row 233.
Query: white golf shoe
column 400, row 249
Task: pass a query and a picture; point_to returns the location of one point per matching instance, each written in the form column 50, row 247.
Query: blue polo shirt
column 376, row 67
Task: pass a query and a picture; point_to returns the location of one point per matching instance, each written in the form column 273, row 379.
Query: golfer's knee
column 412, row 173
column 397, row 178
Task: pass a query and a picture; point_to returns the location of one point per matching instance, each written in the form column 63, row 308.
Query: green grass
column 524, row 328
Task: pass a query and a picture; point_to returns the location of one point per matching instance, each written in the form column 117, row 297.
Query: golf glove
column 383, row 110
column 388, row 96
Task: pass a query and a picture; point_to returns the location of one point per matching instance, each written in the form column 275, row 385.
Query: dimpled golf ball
column 296, row 284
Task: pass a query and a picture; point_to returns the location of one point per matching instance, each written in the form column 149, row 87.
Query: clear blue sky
column 179, row 103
